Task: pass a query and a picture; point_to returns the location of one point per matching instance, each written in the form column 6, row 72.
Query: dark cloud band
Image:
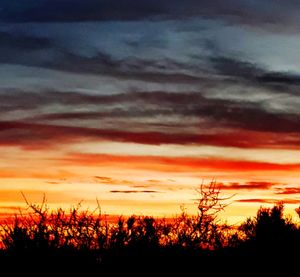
column 254, row 13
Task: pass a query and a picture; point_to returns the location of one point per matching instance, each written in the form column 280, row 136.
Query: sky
column 137, row 103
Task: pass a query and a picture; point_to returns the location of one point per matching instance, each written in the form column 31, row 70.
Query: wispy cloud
column 134, row 191
column 179, row 164
column 222, row 122
column 216, row 112
column 112, row 181
column 269, row 200
column 288, row 190
column 247, row 186
column 254, row 74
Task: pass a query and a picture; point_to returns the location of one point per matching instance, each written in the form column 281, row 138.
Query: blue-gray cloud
column 121, row 79
column 257, row 12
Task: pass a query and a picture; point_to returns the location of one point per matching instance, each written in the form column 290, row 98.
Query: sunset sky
column 136, row 103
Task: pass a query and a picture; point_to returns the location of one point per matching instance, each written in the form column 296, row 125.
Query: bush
column 82, row 238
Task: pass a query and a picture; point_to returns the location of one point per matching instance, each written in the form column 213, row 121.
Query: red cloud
column 133, row 191
column 247, row 186
column 290, row 190
column 269, row 201
column 31, row 135
column 173, row 164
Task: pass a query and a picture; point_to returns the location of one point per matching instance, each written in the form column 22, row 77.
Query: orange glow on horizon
column 143, row 184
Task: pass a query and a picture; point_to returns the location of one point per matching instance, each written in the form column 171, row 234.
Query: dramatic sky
column 136, row 103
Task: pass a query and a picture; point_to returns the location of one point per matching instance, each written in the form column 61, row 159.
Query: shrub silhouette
column 297, row 210
column 271, row 231
column 80, row 238
column 86, row 230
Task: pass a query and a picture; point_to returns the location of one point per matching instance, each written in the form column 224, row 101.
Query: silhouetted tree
column 203, row 231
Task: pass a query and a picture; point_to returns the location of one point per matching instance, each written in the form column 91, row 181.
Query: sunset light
column 104, row 106
column 149, row 137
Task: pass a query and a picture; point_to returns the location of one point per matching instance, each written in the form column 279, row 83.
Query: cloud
column 140, row 186
column 37, row 136
column 11, row 99
column 103, row 179
column 288, row 190
column 130, row 68
column 24, row 49
column 215, row 72
column 111, row 181
column 22, row 42
column 54, row 182
column 134, row 191
column 157, row 105
column 269, row 201
column 151, row 73
column 33, row 173
column 29, row 50
column 196, row 116
column 260, row 13
column 247, row 186
column 90, row 10
column 249, row 73
column 228, row 72
column 176, row 164
column 222, row 122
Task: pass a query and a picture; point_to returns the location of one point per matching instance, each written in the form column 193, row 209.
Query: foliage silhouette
column 271, row 230
column 81, row 240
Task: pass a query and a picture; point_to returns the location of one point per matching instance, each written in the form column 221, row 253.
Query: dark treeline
column 80, row 241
